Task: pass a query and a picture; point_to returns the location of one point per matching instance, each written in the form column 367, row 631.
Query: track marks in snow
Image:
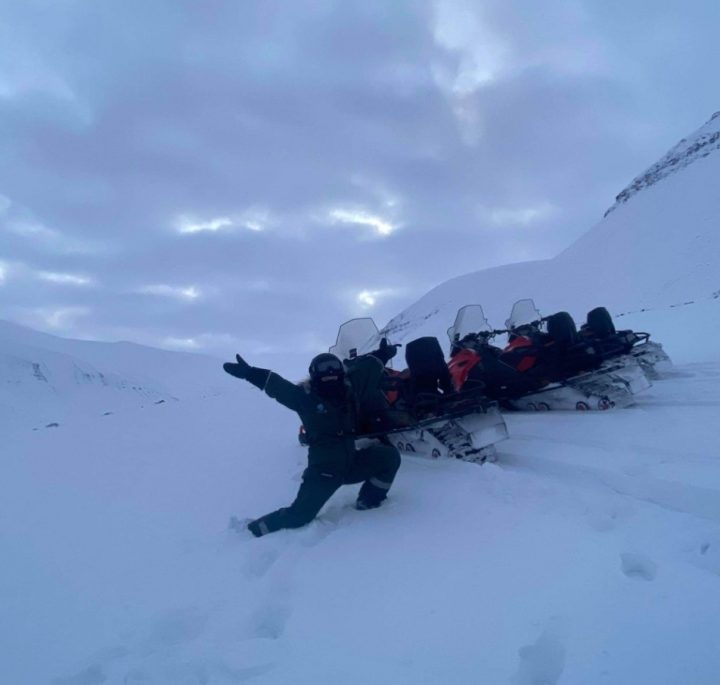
column 187, row 647
column 638, row 566
column 92, row 675
column 240, row 637
column 329, row 521
column 706, row 556
column 274, row 570
column 610, row 517
column 682, row 403
column 269, row 618
column 175, row 674
column 228, row 642
column 542, row 662
column 604, row 447
column 176, row 627
column 258, row 563
column 673, row 496
column 205, row 666
column 261, row 555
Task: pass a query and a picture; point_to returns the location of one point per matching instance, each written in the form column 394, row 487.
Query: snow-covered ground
column 589, row 554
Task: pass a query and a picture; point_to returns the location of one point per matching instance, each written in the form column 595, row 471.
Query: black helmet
column 327, row 375
column 325, row 364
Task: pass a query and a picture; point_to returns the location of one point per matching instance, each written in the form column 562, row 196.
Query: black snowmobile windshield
column 356, row 337
column 524, row 313
column 470, row 319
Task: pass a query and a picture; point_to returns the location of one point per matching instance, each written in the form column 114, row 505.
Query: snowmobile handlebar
column 530, row 324
column 493, row 333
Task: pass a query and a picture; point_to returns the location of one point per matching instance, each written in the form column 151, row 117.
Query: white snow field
column 589, row 554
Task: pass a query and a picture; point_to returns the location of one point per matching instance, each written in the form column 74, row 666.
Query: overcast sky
column 246, row 175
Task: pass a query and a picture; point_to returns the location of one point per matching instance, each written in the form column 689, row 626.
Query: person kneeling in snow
column 329, row 406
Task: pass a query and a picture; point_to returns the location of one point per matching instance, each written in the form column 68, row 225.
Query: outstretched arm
column 280, row 389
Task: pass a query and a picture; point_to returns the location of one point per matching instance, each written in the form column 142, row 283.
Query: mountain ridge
column 659, row 248
column 702, row 143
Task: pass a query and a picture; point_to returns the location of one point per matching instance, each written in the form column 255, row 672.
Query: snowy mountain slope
column 44, row 378
column 658, row 248
column 40, row 386
column 177, row 372
column 589, row 554
column 702, row 143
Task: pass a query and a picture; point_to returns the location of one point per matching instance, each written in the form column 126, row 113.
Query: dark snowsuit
column 331, row 429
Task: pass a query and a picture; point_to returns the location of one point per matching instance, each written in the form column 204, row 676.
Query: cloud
column 40, row 238
column 64, row 279
column 187, row 293
column 33, row 230
column 55, row 318
column 226, row 343
column 518, row 216
column 253, row 219
column 359, row 217
column 186, row 225
column 22, row 273
column 483, row 53
column 24, row 71
column 180, row 343
column 204, row 341
column 369, row 299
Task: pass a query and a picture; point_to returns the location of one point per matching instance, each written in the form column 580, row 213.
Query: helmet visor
column 328, row 367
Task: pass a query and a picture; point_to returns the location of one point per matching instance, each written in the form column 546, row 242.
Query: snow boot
column 243, row 526
column 364, row 505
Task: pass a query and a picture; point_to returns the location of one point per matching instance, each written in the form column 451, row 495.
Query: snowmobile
column 545, row 364
column 600, row 331
column 424, row 415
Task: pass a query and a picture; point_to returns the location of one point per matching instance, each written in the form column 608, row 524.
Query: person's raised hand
column 239, row 369
column 387, row 351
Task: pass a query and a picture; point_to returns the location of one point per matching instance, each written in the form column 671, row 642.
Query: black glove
column 386, row 351
column 239, row 370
